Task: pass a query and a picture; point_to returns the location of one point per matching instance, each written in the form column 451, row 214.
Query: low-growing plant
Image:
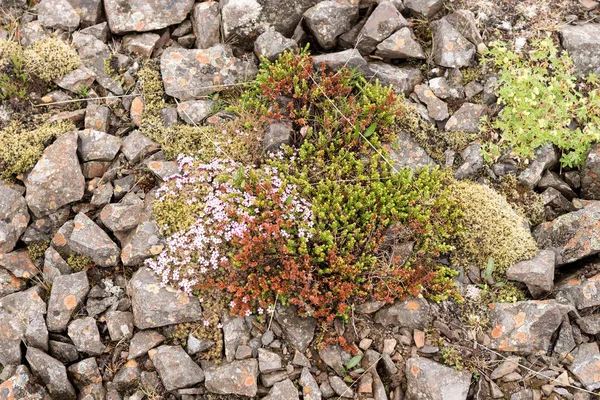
column 79, row 262
column 51, row 58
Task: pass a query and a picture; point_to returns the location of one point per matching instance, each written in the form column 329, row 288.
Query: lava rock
column 98, row 146
column 145, row 242
column 19, row 264
column 93, row 53
column 137, row 146
column 436, row 108
column 22, row 386
column 235, row 333
column 120, row 325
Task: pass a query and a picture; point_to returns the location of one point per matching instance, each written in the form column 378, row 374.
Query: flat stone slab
column 145, row 15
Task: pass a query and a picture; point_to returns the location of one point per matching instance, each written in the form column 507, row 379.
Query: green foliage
column 451, row 357
column 79, row 262
column 541, row 100
column 51, row 58
column 13, row 76
column 525, row 201
column 8, row 49
column 37, row 250
column 22, row 148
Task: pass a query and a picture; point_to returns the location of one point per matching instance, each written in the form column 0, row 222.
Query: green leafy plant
column 352, row 369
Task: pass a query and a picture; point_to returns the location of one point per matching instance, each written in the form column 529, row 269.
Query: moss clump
column 22, row 148
column 51, row 58
column 8, row 50
column 178, row 212
column 37, row 250
column 79, row 262
column 492, row 229
column 525, row 201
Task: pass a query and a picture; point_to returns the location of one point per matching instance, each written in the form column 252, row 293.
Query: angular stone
column 508, row 366
column 582, row 42
column 97, row 118
column 272, row 44
column 242, row 22
column 141, row 45
column 268, row 361
column 553, row 180
column 537, row 273
column 586, row 365
column 163, row 169
column 546, row 157
column 425, row 8
column 464, row 22
column 155, row 305
column 400, row 45
column 268, row 380
column 14, row 218
column 175, row 367
column 36, row 334
column 90, row 240
column 68, row 293
column 89, row 11
column 412, row 314
column 571, row 236
column 85, row 373
column 436, row 108
column 589, row 324
column 128, row 376
column 467, row 118
column 22, row 386
column 310, row 387
column 102, row 194
column 195, row 346
column 56, row 179
column 145, row 242
column 189, row 74
column 385, row 20
column 12, row 330
column 137, row 146
column 58, row 14
column 525, row 327
column 145, row 15
column 590, row 174
column 206, row 23
column 284, row 15
column 278, row 134
column 32, row 32
column 565, row 341
column 450, row 48
column 582, row 293
column 237, row 378
column 402, row 78
column 65, row 352
column 85, row 336
column 350, row 59
column 98, row 146
column 429, row 380
column 19, row 264
column 10, row 283
column 93, row 53
column 120, row 325
column 77, row 79
column 329, row 19
column 144, row 341
column 235, row 333
column 340, row 387
column 284, row 390
column 195, row 111
column 122, row 216
column 299, row 331
column 99, row 31
column 52, row 373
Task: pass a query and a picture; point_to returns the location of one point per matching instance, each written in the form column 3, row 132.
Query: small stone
column 268, row 361
column 272, row 44
column 22, row 386
column 446, row 89
column 67, row 295
column 310, row 387
column 267, row 338
column 365, row 343
column 137, row 146
column 206, row 23
column 195, row 111
column 120, row 325
column 97, row 118
column 32, row 32
column 467, row 118
column 437, row 109
column 235, row 333
column 508, row 366
column 237, row 378
column 58, row 14
column 537, row 272
column 582, row 42
column 122, row 216
column 429, row 380
column 98, row 146
column 128, row 376
column 425, row 8
column 19, row 264
column 52, row 373
column 402, row 78
column 385, row 20
column 14, row 218
column 586, row 365
column 76, row 80
column 163, row 169
column 472, row 161
column 546, row 157
column 142, row 342
column 141, row 45
column 464, row 22
column 284, row 390
column 36, row 334
column 144, row 15
column 278, row 134
column 271, row 378
column 90, row 240
column 243, row 352
column 400, row 45
column 93, row 53
column 175, row 367
column 350, row 59
column 64, row 352
column 411, row 313
column 450, row 48
column 340, row 387
column 85, row 336
column 299, row 331
column 329, row 19
column 419, row 337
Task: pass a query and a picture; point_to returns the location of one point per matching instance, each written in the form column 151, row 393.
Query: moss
column 79, row 262
column 525, row 201
column 37, row 250
column 51, row 58
column 471, row 74
column 491, row 228
column 22, row 148
column 8, row 50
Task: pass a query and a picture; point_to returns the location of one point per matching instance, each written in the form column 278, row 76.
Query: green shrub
column 51, row 58
column 541, row 100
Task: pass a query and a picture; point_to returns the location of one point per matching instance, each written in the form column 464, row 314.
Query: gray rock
column 472, row 161
column 472, row 89
column 565, row 341
column 590, row 178
column 552, row 180
column 412, row 313
column 340, row 387
column 268, row 361
column 425, row 8
column 189, row 74
column 582, row 42
column 350, row 59
column 52, row 373
column 97, row 118
column 329, row 19
column 195, row 345
column 402, row 78
column 85, row 336
column 10, row 283
column 586, row 365
column 19, row 264
column 90, row 240
column 235, row 333
column 450, row 48
column 206, row 23
column 64, row 352
column 67, row 295
column 326, row 389
column 268, row 380
column 175, row 367
column 272, row 44
column 93, row 53
column 145, row 15
column 36, row 334
column 467, row 118
column 155, row 305
column 58, row 14
column 400, row 45
column 56, row 179
column 429, row 380
column 136, row 146
column 14, row 218
column 89, row 11
column 12, row 330
column 120, row 325
column 464, row 22
column 141, row 45
column 98, row 146
column 22, row 386
column 237, row 378
column 284, row 15
column 77, row 79
column 546, row 157
column 85, row 373
column 278, row 134
column 436, row 108
column 144, row 341
column 284, row 390
column 331, row 355
column 310, row 387
column 242, row 22
column 195, row 111
column 508, row 366
column 162, row 169
column 122, row 216
column 145, row 242
column 99, row 31
column 537, row 273
column 128, row 376
column 581, row 292
column 385, row 20
column 589, row 324
column 32, row 32
column 102, row 194
column 299, row 331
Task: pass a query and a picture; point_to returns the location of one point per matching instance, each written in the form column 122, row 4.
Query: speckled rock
column 348, row 58
column 122, row 216
column 429, row 380
column 77, row 79
column 97, row 118
column 163, row 169
column 272, row 44
column 571, row 236
column 93, row 52
column 120, row 325
column 85, row 373
column 464, row 22
column 145, row 242
column 412, row 313
column 586, row 365
column 136, row 146
column 582, row 42
column 425, row 8
column 10, row 283
column 590, row 174
column 98, row 146
column 155, row 305
column 467, row 118
column 472, row 161
column 310, row 387
column 58, row 14
column 206, row 23
column 408, row 153
column 22, row 386
column 284, row 390
column 14, row 218
column 90, row 11
column 189, row 74
column 235, row 333
column 195, row 111
column 278, row 134
column 141, row 45
column 52, row 373
column 142, row 342
column 329, row 19
column 402, row 78
column 525, row 327
column 402, row 44
column 237, row 378
column 537, row 273
column 436, row 108
column 56, row 179
column 299, row 331
column 546, row 157
column 175, row 367
column 90, row 240
column 385, row 20
column 145, row 15
column 12, row 331
column 68, row 293
column 85, row 336
column 19, row 263
column 582, row 293
column 450, row 48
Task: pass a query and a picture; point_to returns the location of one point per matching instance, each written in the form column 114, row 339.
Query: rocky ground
column 83, row 317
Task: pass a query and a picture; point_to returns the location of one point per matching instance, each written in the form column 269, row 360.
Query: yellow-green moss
column 51, row 58
column 37, row 250
column 79, row 262
column 491, row 228
column 471, row 74
column 525, row 201
column 8, row 50
column 22, row 148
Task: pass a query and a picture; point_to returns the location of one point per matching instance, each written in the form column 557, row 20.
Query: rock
column 10, row 283
column 89, row 11
column 142, row 342
column 429, row 380
column 565, row 341
column 52, row 373
column 400, row 45
column 122, row 216
column 85, row 336
column 195, row 111
column 14, row 218
column 472, row 89
column 310, row 387
column 237, row 378
column 242, row 22
column 93, row 53
column 155, row 305
column 58, row 14
column 299, row 331
column 284, row 390
column 235, row 333
column 189, row 74
column 56, row 180
column 385, row 20
column 589, row 324
column 582, row 42
column 90, row 240
column 36, row 334
column 278, row 134
column 163, row 169
column 350, row 59
column 436, row 108
column 102, row 194
column 583, row 235
column 472, row 161
column 85, row 373
column 329, row 19
column 99, row 31
column 425, row 8
column 590, row 174
column 145, row 242
column 120, row 325
column 64, row 352
column 284, row 15
column 412, row 313
column 553, row 180
column 467, row 118
column 141, row 45
column 128, row 376
column 268, row 361
column 98, row 146
column 22, row 386
column 340, row 387
column 145, row 15
column 586, row 365
column 525, row 327
column 582, row 293
column 450, row 48
column 464, row 22
column 206, row 23
column 537, row 273
column 175, row 367
column 268, row 380
column 68, row 293
column 77, row 79
column 546, row 157
column 508, row 366
column 19, row 264
column 402, row 78
column 32, row 32
column 137, row 146
column 97, row 118
column 195, row 346
column 272, row 44
column 331, row 355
